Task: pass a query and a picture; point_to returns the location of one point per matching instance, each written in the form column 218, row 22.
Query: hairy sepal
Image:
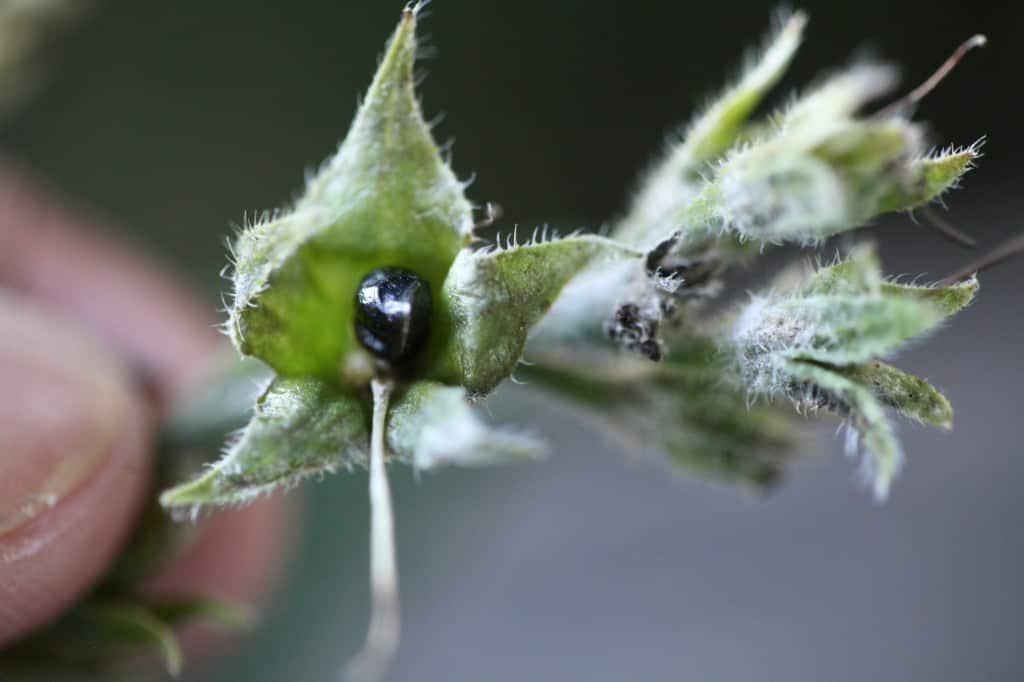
column 386, row 198
column 496, row 296
column 820, row 170
column 911, row 396
column 681, row 408
column 300, row 428
column 431, row 425
column 818, row 387
column 678, row 177
column 817, row 342
column 842, row 314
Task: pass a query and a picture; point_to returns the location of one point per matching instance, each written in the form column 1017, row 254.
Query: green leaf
column 576, row 319
column 674, row 181
column 816, row 340
column 186, row 610
column 820, row 387
column 844, row 314
column 805, row 185
column 947, row 300
column 858, row 274
column 301, row 427
column 680, row 407
column 495, row 297
column 431, row 425
column 385, row 199
column 820, row 170
column 133, row 625
column 714, row 131
column 838, row 330
column 929, row 178
column 104, row 635
column 839, row 97
column 909, row 395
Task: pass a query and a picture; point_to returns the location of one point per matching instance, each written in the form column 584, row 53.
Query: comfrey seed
column 392, row 314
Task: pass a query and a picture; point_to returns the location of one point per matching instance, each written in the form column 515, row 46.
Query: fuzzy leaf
column 820, row 171
column 842, row 314
column 817, row 342
column 947, row 300
column 576, row 318
column 820, row 387
column 385, row 199
column 839, row 330
column 431, row 425
column 716, row 129
column 840, row 96
column 929, row 178
column 496, row 296
column 909, row 395
column 676, row 179
column 300, row 427
column 861, row 273
column 679, row 406
column 804, row 188
column 858, row 274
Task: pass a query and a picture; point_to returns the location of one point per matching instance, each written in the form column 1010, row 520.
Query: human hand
column 82, row 320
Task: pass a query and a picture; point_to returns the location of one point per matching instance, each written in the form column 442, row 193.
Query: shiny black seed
column 392, row 314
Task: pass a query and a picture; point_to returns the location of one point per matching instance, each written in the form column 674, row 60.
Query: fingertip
column 56, row 255
column 73, row 464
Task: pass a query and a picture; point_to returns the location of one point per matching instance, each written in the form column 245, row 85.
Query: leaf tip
column 195, row 492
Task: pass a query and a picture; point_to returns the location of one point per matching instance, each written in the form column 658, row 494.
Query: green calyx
column 818, row 340
column 386, row 198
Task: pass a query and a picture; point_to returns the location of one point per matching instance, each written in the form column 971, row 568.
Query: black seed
column 392, row 314
column 651, row 349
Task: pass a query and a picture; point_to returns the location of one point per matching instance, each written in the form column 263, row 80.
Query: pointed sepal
column 911, row 396
column 821, row 169
column 816, row 387
column 843, row 314
column 679, row 408
column 300, row 428
column 673, row 181
column 387, row 198
column 930, row 177
column 817, row 340
column 431, row 425
column 496, row 296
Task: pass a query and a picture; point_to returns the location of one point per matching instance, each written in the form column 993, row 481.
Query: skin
column 95, row 343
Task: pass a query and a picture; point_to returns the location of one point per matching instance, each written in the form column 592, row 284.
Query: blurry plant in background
column 25, row 26
column 623, row 326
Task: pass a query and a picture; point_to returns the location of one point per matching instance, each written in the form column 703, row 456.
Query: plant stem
column 373, row 660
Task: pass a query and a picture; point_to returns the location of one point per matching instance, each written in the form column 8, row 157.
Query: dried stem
column 922, row 90
column 372, row 662
column 1013, row 246
column 947, row 229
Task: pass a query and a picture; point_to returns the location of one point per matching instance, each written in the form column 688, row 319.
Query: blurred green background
column 172, row 120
